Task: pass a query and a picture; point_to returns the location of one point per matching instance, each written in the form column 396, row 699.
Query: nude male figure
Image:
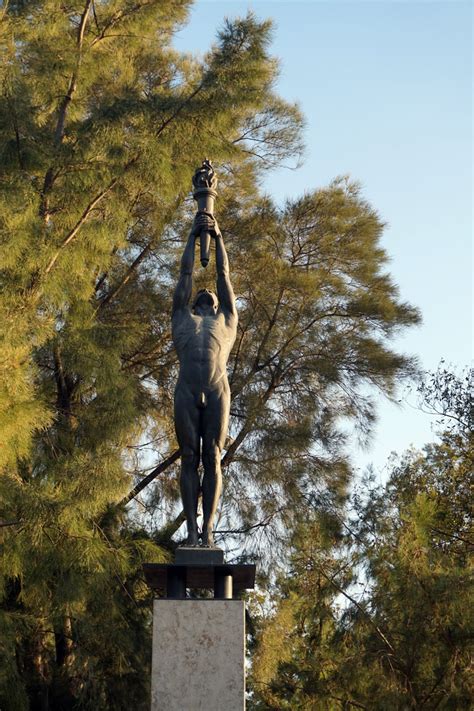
column 203, row 335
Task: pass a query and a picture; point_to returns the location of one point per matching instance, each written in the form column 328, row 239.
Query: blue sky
column 386, row 91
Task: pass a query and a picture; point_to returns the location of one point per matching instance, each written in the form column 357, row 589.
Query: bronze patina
column 204, row 330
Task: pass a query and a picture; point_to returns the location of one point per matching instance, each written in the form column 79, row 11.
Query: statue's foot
column 207, row 539
column 192, row 539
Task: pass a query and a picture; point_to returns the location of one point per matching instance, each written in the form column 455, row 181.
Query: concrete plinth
column 198, row 655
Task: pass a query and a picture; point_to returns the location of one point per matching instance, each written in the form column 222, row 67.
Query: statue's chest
column 200, row 332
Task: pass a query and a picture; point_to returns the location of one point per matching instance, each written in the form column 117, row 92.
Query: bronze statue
column 203, row 334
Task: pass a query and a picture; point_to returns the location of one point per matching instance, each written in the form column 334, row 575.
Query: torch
column 205, row 183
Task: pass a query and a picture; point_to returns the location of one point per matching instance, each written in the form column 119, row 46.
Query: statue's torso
column 203, row 345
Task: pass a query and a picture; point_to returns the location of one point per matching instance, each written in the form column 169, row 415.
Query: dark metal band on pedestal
column 176, row 582
column 225, row 580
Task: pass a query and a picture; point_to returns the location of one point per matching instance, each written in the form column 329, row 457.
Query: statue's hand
column 216, row 229
column 196, row 228
column 205, row 223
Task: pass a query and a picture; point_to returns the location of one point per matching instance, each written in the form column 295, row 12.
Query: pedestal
column 198, row 644
column 198, row 655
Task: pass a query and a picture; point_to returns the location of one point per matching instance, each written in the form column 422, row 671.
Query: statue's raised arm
column 225, row 292
column 184, row 287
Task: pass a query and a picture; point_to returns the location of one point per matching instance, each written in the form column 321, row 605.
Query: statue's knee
column 190, row 459
column 211, row 458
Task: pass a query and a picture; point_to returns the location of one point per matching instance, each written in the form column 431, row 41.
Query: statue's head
column 205, row 303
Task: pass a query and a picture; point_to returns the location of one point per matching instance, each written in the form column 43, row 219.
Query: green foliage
column 380, row 617
column 102, row 124
column 316, row 310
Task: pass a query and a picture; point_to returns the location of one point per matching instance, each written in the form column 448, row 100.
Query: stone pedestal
column 198, row 655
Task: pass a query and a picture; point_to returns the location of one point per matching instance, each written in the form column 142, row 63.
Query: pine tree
column 316, row 314
column 402, row 565
column 102, row 124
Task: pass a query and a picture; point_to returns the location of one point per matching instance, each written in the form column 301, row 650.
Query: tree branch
column 348, row 701
column 72, row 234
column 49, row 177
column 260, row 524
column 170, row 529
column 150, row 477
column 59, row 132
column 126, row 278
column 360, row 607
column 176, row 113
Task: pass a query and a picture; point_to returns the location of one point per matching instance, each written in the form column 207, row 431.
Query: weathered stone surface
column 198, row 655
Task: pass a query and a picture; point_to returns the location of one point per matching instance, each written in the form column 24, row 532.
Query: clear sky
column 386, row 88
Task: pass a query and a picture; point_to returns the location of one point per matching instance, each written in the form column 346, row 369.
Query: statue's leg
column 215, row 422
column 186, row 421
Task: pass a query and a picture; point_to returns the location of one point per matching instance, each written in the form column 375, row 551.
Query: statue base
column 198, row 644
column 198, row 655
column 199, row 555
